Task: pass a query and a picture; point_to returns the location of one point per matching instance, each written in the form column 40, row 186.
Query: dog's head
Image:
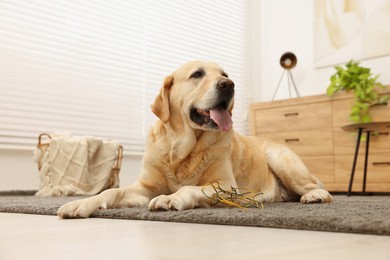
column 200, row 94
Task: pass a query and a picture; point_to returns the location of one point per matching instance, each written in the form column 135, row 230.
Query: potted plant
column 365, row 88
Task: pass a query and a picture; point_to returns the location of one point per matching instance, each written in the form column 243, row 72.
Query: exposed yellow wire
column 233, row 197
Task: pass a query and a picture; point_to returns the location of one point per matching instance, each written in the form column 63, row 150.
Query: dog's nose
column 226, row 85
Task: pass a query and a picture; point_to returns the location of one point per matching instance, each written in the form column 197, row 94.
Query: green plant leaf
column 366, row 119
column 355, row 110
column 330, row 91
column 355, row 118
column 363, row 83
column 384, row 99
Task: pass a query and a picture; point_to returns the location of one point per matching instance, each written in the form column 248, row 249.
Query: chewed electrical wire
column 236, row 197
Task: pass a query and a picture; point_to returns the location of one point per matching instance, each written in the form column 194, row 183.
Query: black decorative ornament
column 288, row 61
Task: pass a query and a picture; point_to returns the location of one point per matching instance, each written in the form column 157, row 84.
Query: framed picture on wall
column 350, row 29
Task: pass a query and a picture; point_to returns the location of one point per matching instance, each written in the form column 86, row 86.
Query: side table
column 361, row 128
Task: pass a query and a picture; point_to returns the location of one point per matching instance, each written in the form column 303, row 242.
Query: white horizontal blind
column 94, row 67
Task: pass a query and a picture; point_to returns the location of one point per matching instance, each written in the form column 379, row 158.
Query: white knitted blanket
column 74, row 165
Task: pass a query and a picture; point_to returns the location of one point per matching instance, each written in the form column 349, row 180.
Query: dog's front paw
column 79, row 208
column 317, row 196
column 166, row 202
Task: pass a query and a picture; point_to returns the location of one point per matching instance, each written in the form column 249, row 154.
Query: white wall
column 18, row 171
column 287, row 25
column 276, row 27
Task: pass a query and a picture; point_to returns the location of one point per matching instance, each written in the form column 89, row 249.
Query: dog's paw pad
column 316, row 196
column 319, row 200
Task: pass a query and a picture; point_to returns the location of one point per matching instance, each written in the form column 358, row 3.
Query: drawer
column 320, row 166
column 345, row 142
column 295, row 117
column 378, row 170
column 305, row 143
column 357, row 187
column 342, row 109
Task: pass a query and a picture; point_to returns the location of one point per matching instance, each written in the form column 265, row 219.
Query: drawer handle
column 381, row 163
column 383, row 133
column 291, row 140
column 291, row 114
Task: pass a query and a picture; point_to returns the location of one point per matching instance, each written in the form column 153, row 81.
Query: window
column 94, row 67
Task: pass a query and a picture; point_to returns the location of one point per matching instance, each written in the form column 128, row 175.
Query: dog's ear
column 160, row 107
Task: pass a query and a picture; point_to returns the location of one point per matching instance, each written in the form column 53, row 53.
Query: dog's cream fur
column 183, row 154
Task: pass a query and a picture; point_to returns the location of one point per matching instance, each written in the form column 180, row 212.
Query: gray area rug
column 355, row 214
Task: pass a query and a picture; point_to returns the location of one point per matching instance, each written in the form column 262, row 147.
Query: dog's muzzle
column 217, row 116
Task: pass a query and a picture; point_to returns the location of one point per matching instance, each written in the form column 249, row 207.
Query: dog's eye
column 197, row 74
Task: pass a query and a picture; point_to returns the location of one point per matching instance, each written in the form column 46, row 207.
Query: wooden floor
column 47, row 237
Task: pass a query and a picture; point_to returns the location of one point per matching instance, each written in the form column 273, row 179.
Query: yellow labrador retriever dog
column 193, row 144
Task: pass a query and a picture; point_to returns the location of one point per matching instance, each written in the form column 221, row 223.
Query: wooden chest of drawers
column 311, row 126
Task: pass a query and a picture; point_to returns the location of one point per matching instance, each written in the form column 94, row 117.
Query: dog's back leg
column 294, row 175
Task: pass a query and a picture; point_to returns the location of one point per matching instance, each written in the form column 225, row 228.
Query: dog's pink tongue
column 222, row 118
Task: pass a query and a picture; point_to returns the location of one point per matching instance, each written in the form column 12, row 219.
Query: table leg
column 365, row 162
column 354, row 160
